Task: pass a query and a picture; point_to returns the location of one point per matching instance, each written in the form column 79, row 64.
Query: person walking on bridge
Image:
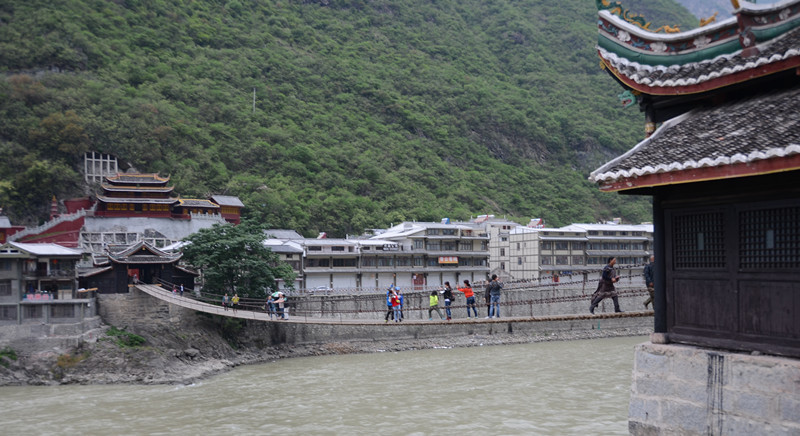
column 649, row 282
column 447, row 294
column 235, row 302
column 389, row 308
column 495, row 286
column 434, row 305
column 225, row 301
column 470, row 296
column 605, row 289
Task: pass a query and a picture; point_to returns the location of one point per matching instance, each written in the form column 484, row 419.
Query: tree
column 234, row 259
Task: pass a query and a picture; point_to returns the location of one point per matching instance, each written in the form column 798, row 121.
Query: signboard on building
column 448, row 260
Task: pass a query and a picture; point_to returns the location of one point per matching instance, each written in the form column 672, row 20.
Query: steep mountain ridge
column 322, row 116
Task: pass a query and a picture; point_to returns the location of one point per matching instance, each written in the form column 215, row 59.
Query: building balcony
column 63, row 274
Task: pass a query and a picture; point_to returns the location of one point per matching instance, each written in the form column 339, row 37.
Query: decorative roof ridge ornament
column 617, row 9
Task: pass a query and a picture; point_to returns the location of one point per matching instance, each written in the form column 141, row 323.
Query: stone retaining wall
column 680, row 389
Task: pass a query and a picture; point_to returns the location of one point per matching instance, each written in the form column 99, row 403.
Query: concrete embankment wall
column 277, row 333
column 31, row 338
column 680, row 389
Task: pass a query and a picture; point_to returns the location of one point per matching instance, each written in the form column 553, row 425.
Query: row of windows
column 768, row 238
column 390, row 262
column 444, row 232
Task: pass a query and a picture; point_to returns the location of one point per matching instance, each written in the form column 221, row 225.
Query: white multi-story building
column 412, row 255
column 525, row 253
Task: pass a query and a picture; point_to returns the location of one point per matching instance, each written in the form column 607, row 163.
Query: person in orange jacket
column 470, row 296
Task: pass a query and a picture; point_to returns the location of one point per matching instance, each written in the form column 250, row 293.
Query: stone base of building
column 32, row 338
column 686, row 390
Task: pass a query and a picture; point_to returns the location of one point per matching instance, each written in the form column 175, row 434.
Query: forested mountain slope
column 366, row 112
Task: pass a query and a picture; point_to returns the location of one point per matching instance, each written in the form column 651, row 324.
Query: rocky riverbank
column 166, row 354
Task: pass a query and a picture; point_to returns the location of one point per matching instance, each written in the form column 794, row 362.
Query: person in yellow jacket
column 235, row 302
column 434, row 298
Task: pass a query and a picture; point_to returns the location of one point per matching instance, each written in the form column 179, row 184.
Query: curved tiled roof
column 743, row 132
column 783, row 48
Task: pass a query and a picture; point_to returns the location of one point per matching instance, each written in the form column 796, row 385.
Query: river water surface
column 548, row 388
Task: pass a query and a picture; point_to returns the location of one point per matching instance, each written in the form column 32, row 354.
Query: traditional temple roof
column 227, row 200
column 124, row 178
column 141, row 252
column 194, row 202
column 775, row 55
column 146, row 189
column 753, row 136
column 143, row 200
column 757, row 42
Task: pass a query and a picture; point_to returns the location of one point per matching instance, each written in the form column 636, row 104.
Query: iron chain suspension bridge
column 367, row 305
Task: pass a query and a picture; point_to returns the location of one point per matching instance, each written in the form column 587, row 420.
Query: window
column 418, row 261
column 547, row 245
column 593, row 233
column 464, row 261
column 324, row 262
column 769, row 238
column 578, row 245
column 337, row 248
column 449, row 246
column 32, row 312
column 314, row 248
column 546, row 260
column 562, row 260
column 368, row 261
column 607, row 233
column 419, row 244
column 5, row 265
column 562, row 246
column 5, row 288
column 8, row 313
column 434, row 245
column 502, row 252
column 465, row 246
column 433, row 261
column 503, row 266
column 344, row 262
column 519, row 261
column 403, row 261
column 503, row 238
column 385, row 261
column 595, row 246
column 610, row 246
column 484, row 245
column 366, row 248
column 577, row 260
column 432, row 232
column 448, row 232
column 517, row 246
column 698, row 240
column 290, row 256
column 62, row 311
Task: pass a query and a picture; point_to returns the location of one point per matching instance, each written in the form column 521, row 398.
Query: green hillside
column 366, row 112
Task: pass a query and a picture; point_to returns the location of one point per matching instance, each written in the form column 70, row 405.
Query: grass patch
column 7, row 353
column 125, row 339
column 65, row 361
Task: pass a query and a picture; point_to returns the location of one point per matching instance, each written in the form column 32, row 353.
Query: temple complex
column 721, row 161
column 132, row 207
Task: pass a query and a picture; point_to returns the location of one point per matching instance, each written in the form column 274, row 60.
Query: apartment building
column 526, row 253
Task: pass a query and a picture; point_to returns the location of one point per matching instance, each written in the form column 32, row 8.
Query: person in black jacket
column 447, row 294
column 648, row 280
column 605, row 289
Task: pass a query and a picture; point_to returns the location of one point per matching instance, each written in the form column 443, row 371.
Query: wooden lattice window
column 769, row 238
column 699, row 241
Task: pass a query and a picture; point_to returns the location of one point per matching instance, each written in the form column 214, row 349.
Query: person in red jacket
column 396, row 306
column 470, row 296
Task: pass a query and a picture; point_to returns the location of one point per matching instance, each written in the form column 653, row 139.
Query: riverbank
column 191, row 351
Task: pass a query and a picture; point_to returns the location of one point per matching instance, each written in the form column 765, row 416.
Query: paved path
column 190, row 303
